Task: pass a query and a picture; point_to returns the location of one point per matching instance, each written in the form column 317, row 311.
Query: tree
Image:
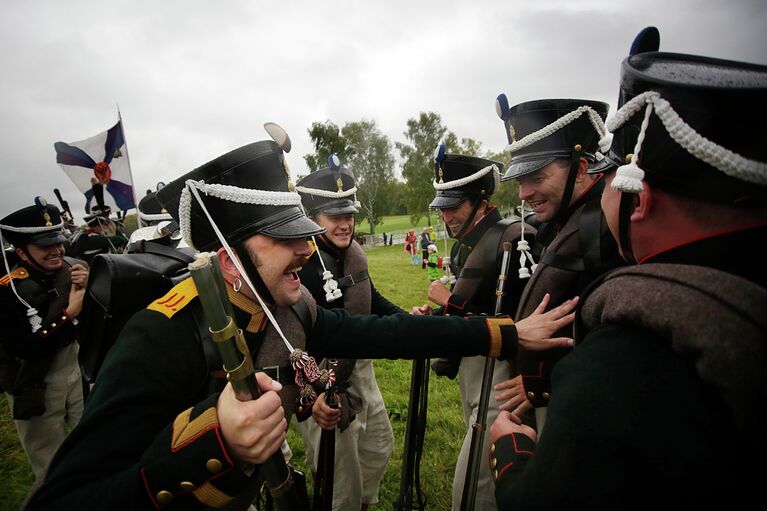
column 423, row 134
column 327, row 140
column 371, row 160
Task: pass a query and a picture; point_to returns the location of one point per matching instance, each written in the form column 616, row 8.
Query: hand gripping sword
column 238, row 365
column 480, row 425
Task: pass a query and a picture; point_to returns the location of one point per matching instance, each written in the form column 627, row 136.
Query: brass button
column 214, row 466
column 493, row 463
column 187, row 485
column 495, row 474
column 492, row 448
column 63, row 318
column 45, row 332
column 531, row 395
column 628, row 157
column 546, row 396
column 53, row 325
column 164, row 497
column 577, row 148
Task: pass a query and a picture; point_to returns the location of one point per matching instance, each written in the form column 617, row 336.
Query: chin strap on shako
column 305, row 366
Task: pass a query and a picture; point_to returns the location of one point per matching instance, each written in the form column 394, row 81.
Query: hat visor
column 47, row 239
column 294, row 227
column 337, row 208
column 445, row 201
column 608, row 163
column 522, row 168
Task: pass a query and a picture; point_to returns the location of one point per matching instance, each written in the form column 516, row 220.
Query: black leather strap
column 350, row 280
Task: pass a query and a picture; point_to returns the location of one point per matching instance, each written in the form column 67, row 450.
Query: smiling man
column 40, row 299
column 553, row 142
column 364, row 437
column 185, row 441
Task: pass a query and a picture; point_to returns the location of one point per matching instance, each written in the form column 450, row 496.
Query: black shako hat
column 544, row 130
column 703, row 138
column 458, row 178
column 330, row 190
column 246, row 191
column 39, row 225
column 151, row 211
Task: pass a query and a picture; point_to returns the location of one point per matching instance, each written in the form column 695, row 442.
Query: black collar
column 472, row 237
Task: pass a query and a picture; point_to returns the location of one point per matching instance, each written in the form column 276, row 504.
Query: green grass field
column 403, row 284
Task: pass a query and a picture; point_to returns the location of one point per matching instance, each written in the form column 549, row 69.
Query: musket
column 323, row 491
column 410, row 493
column 64, row 204
column 480, row 425
column 240, row 371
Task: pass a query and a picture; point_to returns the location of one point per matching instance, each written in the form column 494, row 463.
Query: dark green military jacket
column 661, row 404
column 149, row 436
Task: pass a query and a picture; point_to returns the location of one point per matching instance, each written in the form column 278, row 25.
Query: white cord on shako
column 471, row 178
column 332, row 291
column 524, row 250
column 35, row 321
column 594, row 117
column 628, row 178
column 241, row 195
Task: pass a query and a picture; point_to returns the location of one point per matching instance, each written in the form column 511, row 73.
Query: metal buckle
column 273, row 372
column 351, row 277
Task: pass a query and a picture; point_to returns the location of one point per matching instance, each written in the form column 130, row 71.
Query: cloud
column 195, row 79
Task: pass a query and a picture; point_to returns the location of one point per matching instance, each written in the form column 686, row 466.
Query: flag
column 99, row 167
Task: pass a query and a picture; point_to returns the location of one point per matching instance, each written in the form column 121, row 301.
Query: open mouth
column 292, row 272
column 536, row 204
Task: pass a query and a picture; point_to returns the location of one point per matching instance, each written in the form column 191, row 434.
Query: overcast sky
column 195, row 79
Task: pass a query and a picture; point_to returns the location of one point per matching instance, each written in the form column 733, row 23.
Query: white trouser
column 470, row 379
column 41, row 436
column 362, row 450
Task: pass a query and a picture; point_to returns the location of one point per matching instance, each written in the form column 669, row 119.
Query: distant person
column 411, row 248
column 425, row 242
column 433, row 264
column 40, row 300
column 100, row 236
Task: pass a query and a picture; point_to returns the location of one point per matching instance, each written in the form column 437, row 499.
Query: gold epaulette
column 175, row 299
column 18, row 273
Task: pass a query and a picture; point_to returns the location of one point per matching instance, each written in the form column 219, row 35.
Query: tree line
column 364, row 149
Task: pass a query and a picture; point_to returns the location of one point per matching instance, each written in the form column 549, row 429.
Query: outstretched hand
column 535, row 331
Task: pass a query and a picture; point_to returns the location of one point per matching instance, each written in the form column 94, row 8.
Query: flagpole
column 130, row 169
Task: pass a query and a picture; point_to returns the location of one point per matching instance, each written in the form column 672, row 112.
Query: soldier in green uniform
column 100, row 236
column 162, row 428
column 464, row 186
column 41, row 296
column 662, row 401
column 364, row 437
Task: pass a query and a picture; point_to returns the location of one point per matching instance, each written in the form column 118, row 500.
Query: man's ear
column 581, row 174
column 642, row 203
column 228, row 270
column 22, row 255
